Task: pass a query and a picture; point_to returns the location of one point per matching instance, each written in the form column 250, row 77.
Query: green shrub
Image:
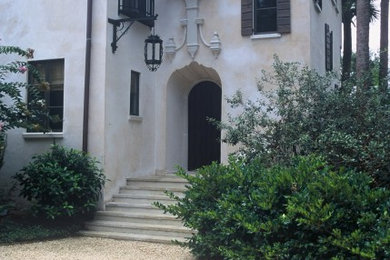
column 62, row 183
column 29, row 229
column 5, row 203
column 305, row 113
column 305, row 211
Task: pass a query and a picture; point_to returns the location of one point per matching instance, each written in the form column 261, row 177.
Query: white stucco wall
column 54, row 29
column 128, row 142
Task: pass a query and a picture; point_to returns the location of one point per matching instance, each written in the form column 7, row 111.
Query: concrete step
column 133, row 237
column 172, row 174
column 148, row 184
column 143, row 199
column 137, row 228
column 159, row 179
column 133, row 208
column 118, row 216
column 152, row 191
column 131, row 215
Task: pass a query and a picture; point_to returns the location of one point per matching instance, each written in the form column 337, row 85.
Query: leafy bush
column 305, row 211
column 15, row 112
column 306, row 113
column 6, row 204
column 30, row 229
column 62, row 183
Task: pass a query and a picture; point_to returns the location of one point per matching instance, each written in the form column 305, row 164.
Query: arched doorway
column 204, row 102
column 174, row 139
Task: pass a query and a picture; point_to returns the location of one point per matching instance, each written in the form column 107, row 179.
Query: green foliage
column 5, row 205
column 14, row 111
column 62, row 183
column 245, row 210
column 373, row 73
column 31, row 229
column 306, row 114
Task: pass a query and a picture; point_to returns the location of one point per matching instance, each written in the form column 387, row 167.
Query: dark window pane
column 265, row 20
column 265, row 3
column 52, row 72
column 56, row 123
column 56, row 98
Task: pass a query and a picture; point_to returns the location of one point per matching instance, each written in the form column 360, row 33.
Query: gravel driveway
column 82, row 248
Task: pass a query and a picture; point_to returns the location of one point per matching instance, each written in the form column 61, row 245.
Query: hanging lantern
column 153, row 52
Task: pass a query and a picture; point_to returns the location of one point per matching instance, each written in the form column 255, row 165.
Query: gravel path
column 85, row 248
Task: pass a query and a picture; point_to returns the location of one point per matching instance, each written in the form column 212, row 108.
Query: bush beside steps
column 306, row 211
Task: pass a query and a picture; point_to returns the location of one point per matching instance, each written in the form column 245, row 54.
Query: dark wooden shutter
column 246, row 17
column 283, row 16
column 331, row 50
column 328, row 48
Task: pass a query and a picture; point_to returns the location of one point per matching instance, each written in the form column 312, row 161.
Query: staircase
column 131, row 216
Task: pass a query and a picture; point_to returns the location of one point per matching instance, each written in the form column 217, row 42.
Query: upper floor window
column 265, row 16
column 52, row 91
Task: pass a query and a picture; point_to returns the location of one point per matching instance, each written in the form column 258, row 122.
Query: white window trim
column 41, row 135
column 266, row 36
column 133, row 118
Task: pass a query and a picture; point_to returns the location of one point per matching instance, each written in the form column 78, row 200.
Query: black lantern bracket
column 119, row 27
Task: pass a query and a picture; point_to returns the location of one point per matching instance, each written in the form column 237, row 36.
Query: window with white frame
column 51, row 89
column 265, row 17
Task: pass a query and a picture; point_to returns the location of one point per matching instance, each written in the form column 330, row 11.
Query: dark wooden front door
column 204, row 147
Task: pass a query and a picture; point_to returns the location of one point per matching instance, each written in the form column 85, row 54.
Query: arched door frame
column 204, row 101
column 175, row 135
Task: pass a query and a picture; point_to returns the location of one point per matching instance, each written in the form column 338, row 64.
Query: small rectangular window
column 134, row 93
column 52, row 90
column 265, row 16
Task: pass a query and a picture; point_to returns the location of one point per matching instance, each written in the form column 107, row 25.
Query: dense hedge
column 306, row 211
column 62, row 183
column 300, row 112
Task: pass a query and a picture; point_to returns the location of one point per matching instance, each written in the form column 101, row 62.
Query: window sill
column 40, row 135
column 266, row 36
column 135, row 118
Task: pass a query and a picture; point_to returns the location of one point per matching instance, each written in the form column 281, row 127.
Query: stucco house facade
column 141, row 123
